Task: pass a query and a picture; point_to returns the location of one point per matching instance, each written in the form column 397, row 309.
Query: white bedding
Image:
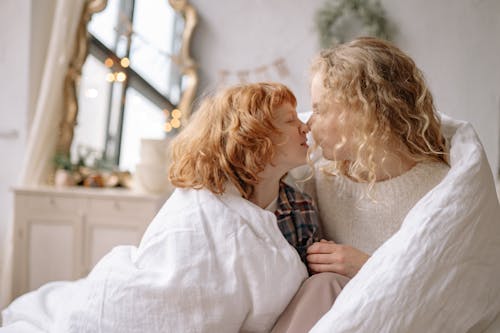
column 207, row 263
column 441, row 271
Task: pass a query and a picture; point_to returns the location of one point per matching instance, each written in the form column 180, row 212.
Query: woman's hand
column 327, row 256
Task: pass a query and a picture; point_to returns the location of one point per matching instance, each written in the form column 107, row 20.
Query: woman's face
column 291, row 145
column 331, row 125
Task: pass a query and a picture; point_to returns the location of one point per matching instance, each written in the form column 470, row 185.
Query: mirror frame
column 81, row 50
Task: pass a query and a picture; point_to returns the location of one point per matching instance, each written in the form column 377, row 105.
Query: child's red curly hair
column 229, row 138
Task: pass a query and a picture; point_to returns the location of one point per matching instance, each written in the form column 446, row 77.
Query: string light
column 116, row 76
column 125, row 62
column 176, row 123
column 108, row 62
column 120, row 76
column 110, row 77
column 176, row 113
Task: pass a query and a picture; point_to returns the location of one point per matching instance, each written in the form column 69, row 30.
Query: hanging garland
column 367, row 12
column 264, row 72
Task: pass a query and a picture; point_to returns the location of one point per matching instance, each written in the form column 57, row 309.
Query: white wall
column 457, row 45
column 454, row 42
column 24, row 33
column 240, row 34
column 14, row 97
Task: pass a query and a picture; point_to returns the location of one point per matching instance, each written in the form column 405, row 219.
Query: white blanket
column 207, row 263
column 441, row 271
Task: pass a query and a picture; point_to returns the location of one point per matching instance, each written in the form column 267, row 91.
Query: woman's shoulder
column 428, row 172
column 414, row 183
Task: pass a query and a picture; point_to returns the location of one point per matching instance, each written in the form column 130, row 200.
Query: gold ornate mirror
column 131, row 77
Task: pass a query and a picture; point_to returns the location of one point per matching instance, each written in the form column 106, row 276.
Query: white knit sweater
column 349, row 216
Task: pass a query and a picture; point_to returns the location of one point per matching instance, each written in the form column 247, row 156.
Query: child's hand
column 327, row 256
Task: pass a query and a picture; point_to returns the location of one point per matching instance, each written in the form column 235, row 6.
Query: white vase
column 63, row 178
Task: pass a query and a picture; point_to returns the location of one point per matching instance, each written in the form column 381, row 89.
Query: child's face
column 291, row 145
column 331, row 125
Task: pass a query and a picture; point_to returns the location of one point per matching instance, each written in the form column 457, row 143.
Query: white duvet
column 207, row 263
column 441, row 271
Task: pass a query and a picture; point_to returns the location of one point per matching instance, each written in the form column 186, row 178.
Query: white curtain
column 42, row 138
column 49, row 106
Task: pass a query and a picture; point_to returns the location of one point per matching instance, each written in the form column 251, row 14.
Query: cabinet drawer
column 47, row 204
column 121, row 208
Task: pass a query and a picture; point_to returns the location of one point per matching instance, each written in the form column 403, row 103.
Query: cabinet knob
column 117, row 205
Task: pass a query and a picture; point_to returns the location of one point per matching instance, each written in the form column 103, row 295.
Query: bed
column 439, row 273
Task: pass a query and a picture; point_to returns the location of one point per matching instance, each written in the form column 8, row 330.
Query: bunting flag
column 266, row 72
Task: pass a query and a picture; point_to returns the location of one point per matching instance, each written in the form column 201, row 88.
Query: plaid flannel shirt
column 297, row 219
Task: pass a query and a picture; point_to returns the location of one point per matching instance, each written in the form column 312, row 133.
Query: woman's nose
column 309, row 122
column 304, row 128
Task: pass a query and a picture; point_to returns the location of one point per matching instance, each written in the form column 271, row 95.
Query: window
column 130, row 82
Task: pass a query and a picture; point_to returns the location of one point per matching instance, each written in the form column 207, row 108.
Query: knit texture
column 351, row 215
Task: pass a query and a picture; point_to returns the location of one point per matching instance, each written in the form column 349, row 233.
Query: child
column 257, row 124
column 212, row 260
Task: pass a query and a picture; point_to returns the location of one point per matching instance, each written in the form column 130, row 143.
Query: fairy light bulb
column 176, row 123
column 167, row 127
column 176, row 113
column 125, row 62
column 110, row 77
column 121, row 76
column 108, row 62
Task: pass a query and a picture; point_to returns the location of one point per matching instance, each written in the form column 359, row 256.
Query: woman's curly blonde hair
column 383, row 85
column 229, row 138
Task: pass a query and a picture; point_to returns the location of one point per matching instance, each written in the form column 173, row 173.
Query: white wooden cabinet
column 60, row 234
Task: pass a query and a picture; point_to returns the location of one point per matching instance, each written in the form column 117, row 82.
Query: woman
column 374, row 117
column 375, row 122
column 213, row 255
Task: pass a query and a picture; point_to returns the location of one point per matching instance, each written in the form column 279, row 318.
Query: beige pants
column 314, row 298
